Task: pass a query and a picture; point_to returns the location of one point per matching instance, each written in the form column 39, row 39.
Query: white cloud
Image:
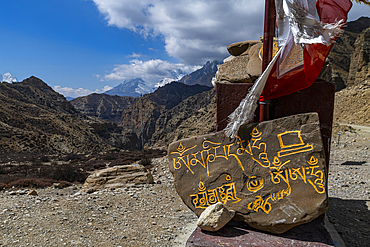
column 135, row 55
column 195, row 31
column 77, row 92
column 151, row 71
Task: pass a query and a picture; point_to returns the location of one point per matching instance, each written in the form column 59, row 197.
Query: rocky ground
column 154, row 215
column 352, row 104
column 349, row 185
column 138, row 215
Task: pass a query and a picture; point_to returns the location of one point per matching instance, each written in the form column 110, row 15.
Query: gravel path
column 349, row 187
column 154, row 215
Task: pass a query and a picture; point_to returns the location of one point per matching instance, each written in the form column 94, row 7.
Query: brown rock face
column 360, row 61
column 343, row 49
column 273, row 175
column 352, row 104
column 117, row 177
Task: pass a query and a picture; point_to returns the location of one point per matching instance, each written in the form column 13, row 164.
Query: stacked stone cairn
column 244, row 65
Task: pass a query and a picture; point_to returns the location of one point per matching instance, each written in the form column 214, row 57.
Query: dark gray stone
column 273, row 175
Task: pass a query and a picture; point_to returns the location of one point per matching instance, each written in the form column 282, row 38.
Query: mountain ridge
column 137, row 86
column 127, row 109
column 36, row 119
column 340, row 55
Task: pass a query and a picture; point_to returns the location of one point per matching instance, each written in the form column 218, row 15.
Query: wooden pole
column 268, row 40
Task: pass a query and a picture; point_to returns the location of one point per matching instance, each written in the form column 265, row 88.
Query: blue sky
column 79, row 47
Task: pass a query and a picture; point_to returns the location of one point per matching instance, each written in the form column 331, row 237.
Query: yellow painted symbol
column 180, row 148
column 228, row 177
column 256, row 133
column 291, row 143
column 254, row 184
column 278, row 164
column 201, row 186
column 313, row 161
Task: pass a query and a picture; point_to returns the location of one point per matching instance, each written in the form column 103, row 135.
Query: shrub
column 23, row 169
column 44, row 158
column 146, row 162
column 68, row 173
column 33, row 183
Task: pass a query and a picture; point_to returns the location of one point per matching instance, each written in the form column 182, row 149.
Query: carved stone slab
column 273, row 174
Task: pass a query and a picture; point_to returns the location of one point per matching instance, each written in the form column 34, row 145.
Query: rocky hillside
column 360, row 60
column 352, row 104
column 36, row 119
column 103, row 106
column 160, row 104
column 341, row 53
column 167, row 102
column 195, row 115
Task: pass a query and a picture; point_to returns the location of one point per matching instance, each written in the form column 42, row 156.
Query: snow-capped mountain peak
column 137, row 86
column 7, row 77
column 133, row 88
column 202, row 76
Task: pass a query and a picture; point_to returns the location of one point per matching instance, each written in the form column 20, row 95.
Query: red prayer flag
column 314, row 55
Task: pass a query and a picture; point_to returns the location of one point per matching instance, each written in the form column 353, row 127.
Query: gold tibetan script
column 223, row 194
column 290, row 143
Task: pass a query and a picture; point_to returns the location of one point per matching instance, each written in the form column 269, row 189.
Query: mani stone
column 245, row 68
column 117, row 177
column 215, row 217
column 273, row 174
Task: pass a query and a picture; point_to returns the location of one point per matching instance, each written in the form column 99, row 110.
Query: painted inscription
column 211, row 151
column 290, row 143
column 223, row 193
column 305, row 173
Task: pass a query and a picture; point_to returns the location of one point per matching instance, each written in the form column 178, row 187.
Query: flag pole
column 268, row 40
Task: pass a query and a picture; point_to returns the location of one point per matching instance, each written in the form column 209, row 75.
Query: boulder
column 57, row 185
column 244, row 68
column 238, row 48
column 273, row 174
column 32, row 193
column 215, row 217
column 117, row 177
